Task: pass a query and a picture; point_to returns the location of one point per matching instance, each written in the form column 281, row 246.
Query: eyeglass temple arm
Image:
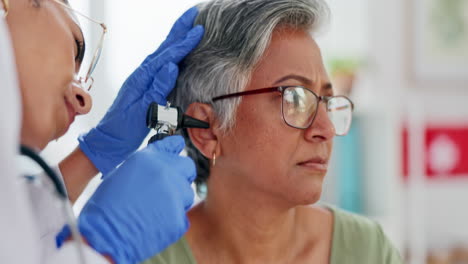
column 98, row 51
column 252, row 92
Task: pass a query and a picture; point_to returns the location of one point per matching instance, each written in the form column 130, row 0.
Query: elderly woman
column 258, row 79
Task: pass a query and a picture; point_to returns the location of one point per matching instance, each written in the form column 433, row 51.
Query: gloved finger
column 163, row 83
column 181, row 224
column 187, row 223
column 188, row 197
column 178, row 51
column 181, row 27
column 178, row 32
column 190, row 169
column 173, row 144
column 62, row 236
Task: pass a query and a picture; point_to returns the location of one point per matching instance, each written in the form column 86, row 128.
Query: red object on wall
column 445, row 153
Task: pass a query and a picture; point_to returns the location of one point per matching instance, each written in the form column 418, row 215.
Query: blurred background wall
column 405, row 65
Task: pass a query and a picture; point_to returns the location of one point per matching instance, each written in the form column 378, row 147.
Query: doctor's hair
column 237, row 33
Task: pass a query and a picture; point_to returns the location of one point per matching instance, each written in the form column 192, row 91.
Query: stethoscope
column 57, row 182
column 164, row 119
column 61, row 194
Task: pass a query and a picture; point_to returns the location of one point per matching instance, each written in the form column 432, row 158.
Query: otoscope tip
column 190, row 122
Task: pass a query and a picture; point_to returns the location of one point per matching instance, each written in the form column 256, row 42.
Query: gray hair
column 237, row 34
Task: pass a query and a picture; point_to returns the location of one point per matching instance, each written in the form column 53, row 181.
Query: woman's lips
column 316, row 164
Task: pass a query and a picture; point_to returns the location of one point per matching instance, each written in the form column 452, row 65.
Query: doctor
column 139, row 208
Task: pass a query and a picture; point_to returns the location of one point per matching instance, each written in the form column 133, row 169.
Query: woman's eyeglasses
column 299, row 107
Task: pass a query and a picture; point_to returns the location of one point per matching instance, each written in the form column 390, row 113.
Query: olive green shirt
column 356, row 240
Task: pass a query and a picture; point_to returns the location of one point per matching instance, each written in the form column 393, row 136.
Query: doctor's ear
column 204, row 139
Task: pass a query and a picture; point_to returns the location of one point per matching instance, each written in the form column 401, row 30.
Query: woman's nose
column 80, row 100
column 322, row 129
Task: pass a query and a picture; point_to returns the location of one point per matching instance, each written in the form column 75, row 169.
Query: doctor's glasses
column 299, row 107
column 90, row 49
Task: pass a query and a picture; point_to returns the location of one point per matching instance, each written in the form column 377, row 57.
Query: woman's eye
column 79, row 51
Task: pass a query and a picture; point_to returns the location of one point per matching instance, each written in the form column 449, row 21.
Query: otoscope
column 166, row 120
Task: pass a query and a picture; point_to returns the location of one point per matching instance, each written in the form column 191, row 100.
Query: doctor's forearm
column 77, row 171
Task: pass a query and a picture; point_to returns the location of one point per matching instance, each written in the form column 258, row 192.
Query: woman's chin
column 312, row 198
column 309, row 194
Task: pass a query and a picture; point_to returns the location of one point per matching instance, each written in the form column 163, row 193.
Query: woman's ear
column 204, row 139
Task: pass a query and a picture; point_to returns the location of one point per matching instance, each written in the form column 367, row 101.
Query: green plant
column 343, row 66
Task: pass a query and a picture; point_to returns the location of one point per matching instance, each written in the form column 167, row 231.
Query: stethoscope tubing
column 62, row 195
column 59, row 187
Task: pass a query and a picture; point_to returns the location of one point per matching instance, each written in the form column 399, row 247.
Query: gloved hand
column 140, row 208
column 123, row 128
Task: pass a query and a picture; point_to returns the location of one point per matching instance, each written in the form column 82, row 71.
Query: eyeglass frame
column 87, row 82
column 281, row 89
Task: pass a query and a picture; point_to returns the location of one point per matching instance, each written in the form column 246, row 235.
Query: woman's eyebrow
column 327, row 87
column 299, row 78
column 306, row 81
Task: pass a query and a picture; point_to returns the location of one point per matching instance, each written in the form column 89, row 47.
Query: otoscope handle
column 157, row 137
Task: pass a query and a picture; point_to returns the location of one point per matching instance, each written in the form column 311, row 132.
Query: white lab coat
column 26, row 228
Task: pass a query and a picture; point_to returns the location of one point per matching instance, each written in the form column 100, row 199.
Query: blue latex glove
column 123, row 128
column 140, row 208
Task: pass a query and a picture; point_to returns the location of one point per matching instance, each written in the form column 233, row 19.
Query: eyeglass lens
column 340, row 113
column 300, row 106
